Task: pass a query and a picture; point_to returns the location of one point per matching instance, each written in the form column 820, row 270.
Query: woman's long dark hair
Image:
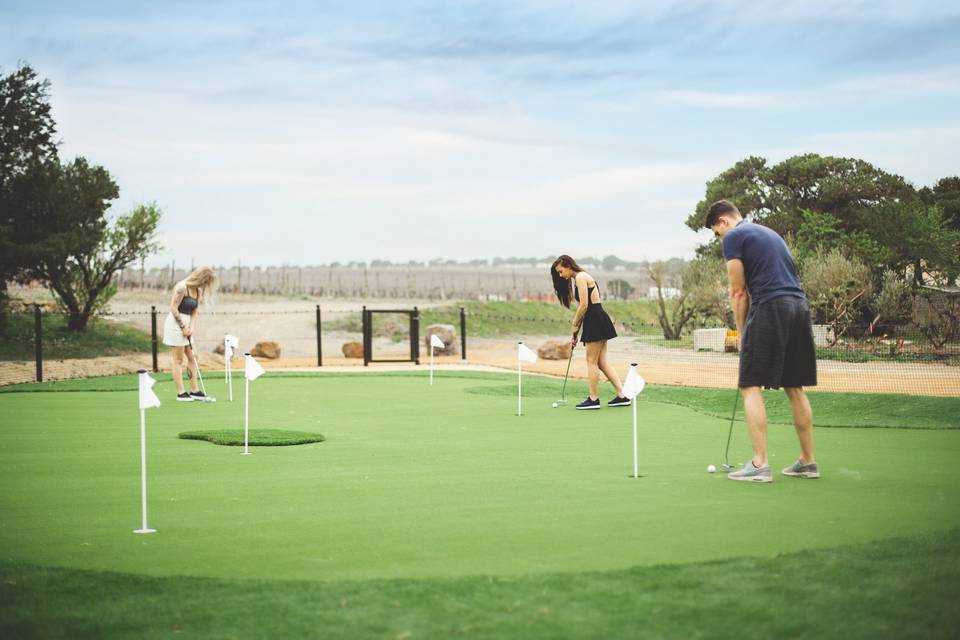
column 562, row 287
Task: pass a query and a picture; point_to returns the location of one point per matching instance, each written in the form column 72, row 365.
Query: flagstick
column 246, row 419
column 636, row 464
column 143, row 474
column 431, row 362
column 519, row 384
column 228, row 366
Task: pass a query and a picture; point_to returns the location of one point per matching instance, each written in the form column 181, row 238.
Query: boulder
column 554, row 350
column 266, row 349
column 352, row 349
column 445, row 332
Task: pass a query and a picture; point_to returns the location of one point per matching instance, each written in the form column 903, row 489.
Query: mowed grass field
column 437, row 512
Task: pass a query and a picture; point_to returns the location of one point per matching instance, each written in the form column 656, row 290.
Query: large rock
column 352, row 349
column 447, row 333
column 555, row 350
column 266, row 349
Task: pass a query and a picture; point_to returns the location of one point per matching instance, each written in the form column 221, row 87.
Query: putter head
column 729, row 467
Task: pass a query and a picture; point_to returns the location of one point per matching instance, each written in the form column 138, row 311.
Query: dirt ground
column 292, row 323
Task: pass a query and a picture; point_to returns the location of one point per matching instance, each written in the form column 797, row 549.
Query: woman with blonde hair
column 597, row 327
column 181, row 324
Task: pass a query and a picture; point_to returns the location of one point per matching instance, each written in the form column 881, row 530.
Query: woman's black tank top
column 188, row 304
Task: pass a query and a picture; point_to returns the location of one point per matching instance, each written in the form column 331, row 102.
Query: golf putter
column 563, row 392
column 193, row 351
column 726, row 466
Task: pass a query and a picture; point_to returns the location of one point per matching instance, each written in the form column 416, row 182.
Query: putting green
column 418, row 481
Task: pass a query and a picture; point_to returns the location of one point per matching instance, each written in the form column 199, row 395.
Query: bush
column 836, row 286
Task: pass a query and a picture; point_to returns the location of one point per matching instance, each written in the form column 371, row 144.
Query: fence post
column 319, row 345
column 415, row 335
column 153, row 337
column 366, row 342
column 463, row 334
column 38, row 341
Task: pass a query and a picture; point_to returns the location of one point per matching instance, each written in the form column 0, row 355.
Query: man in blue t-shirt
column 776, row 336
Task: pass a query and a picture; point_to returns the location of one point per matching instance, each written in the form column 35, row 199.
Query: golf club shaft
column 563, row 392
column 726, row 453
column 196, row 363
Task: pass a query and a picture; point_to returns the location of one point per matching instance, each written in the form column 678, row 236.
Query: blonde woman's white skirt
column 172, row 334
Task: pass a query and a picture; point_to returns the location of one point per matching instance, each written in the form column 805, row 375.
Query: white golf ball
column 554, row 405
column 711, row 469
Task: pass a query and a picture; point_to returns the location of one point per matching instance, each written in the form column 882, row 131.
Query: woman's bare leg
column 593, row 371
column 176, row 367
column 609, row 371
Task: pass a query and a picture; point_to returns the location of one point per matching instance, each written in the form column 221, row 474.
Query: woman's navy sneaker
column 184, row 397
column 619, row 401
column 198, row 394
column 589, row 404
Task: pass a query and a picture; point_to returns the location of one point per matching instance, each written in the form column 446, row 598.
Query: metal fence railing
column 891, row 359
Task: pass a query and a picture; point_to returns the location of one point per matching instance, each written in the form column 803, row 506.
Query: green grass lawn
column 102, row 338
column 437, row 512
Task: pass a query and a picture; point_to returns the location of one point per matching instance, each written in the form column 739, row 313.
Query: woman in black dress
column 596, row 326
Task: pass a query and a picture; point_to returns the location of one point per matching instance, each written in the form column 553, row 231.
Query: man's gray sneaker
column 750, row 473
column 800, row 470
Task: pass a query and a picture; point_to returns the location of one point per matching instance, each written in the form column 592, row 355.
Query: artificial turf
column 901, row 588
column 446, row 504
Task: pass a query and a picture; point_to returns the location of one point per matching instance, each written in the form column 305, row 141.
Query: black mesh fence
column 859, row 358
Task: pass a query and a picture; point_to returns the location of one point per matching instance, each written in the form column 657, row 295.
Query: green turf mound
column 258, row 437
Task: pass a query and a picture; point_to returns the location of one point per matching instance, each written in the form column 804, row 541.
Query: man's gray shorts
column 777, row 349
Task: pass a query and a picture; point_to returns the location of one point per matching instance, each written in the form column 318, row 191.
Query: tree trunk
column 77, row 322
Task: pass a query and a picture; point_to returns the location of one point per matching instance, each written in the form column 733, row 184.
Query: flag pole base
column 144, row 530
column 637, row 477
column 247, row 453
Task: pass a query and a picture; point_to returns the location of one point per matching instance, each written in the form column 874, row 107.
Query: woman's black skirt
column 597, row 325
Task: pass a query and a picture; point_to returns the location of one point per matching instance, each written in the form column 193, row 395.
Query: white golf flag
column 634, row 383
column 230, row 343
column 251, row 368
column 436, row 342
column 147, row 397
column 525, row 353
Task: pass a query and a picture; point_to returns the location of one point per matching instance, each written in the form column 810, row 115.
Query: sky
column 305, row 133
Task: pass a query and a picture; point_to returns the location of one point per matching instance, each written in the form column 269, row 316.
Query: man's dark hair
column 717, row 209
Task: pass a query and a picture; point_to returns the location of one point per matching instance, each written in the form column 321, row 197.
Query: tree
column 27, row 129
column 916, row 236
column 620, row 289
column 610, row 263
column 937, row 315
column 707, row 287
column 821, row 201
column 673, row 315
column 65, row 237
column 945, row 194
column 27, row 133
column 836, row 286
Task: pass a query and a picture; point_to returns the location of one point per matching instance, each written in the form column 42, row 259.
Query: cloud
column 865, row 89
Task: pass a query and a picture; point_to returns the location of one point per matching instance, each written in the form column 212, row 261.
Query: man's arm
column 739, row 298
